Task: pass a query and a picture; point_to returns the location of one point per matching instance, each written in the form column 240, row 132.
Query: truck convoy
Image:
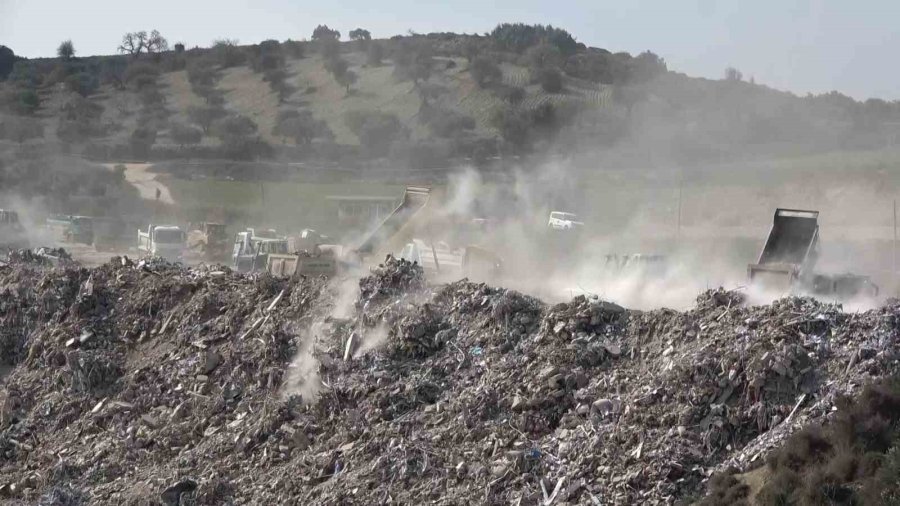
column 166, row 241
column 787, row 261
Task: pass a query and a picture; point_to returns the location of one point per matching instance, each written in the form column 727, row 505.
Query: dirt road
column 145, row 181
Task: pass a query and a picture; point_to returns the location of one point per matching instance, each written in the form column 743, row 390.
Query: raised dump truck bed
column 790, row 251
column 415, row 199
column 787, row 261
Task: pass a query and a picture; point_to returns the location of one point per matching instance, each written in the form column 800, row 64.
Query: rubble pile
column 156, row 381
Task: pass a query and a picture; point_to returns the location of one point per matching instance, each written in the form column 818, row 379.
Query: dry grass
column 854, row 459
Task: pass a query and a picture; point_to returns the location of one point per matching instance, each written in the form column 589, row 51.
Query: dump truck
column 12, row 233
column 71, row 228
column 389, row 236
column 166, row 241
column 441, row 262
column 210, row 240
column 788, row 259
column 418, row 231
column 251, row 251
column 313, row 254
column 320, row 261
column 790, row 252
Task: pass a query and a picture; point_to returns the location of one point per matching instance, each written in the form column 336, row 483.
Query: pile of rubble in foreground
column 137, row 383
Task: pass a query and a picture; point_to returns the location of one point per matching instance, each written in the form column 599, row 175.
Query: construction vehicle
column 787, row 261
column 443, row 263
column 564, row 221
column 166, row 241
column 313, row 255
column 251, row 250
column 72, row 229
column 12, row 233
column 441, row 243
column 314, row 263
column 210, row 240
column 397, row 229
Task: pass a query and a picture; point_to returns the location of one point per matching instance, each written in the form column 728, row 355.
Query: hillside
column 424, row 100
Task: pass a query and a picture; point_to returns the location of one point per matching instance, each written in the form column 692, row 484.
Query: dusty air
column 508, row 263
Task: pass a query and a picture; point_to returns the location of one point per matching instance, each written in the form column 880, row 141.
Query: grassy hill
column 425, row 101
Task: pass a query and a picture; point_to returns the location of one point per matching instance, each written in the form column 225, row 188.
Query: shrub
column 375, row 130
column 551, row 80
column 485, row 71
column 83, row 83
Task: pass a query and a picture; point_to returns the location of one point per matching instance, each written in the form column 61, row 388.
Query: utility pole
column 894, row 251
column 678, row 225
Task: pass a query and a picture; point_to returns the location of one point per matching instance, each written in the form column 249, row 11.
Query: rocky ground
column 143, row 382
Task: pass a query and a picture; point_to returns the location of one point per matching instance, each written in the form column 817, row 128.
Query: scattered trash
column 129, row 376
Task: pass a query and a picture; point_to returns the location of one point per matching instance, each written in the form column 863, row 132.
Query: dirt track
column 145, row 181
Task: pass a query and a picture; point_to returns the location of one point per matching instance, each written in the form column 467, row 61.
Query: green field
column 289, row 206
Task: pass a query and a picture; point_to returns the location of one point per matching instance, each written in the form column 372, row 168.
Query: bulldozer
column 788, row 259
column 12, row 233
column 210, row 240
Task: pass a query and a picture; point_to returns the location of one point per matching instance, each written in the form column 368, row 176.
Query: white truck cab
column 166, row 241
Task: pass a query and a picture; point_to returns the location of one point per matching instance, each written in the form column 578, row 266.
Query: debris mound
column 149, row 380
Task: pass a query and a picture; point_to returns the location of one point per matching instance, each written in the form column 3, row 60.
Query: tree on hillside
column 205, row 116
column 228, row 53
column 7, row 60
column 179, row 47
column 485, row 71
column 322, row 32
column 518, row 37
column 234, row 128
column 267, row 56
column 360, row 34
column 66, row 50
column 301, row 126
column 141, row 140
column 135, row 43
column 182, row 134
column 376, row 130
column 156, row 43
column 645, row 67
column 733, row 74
column 347, row 79
column 83, row 83
column 414, row 62
column 543, row 55
column 550, row 80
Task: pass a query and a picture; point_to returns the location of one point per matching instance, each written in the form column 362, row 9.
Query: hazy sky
column 798, row 45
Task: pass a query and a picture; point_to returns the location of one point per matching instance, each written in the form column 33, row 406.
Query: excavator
column 788, row 259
